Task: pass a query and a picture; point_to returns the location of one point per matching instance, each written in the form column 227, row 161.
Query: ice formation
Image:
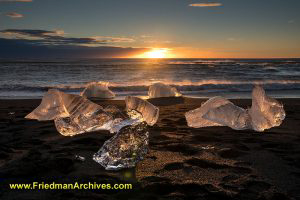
column 149, row 112
column 98, row 90
column 265, row 113
column 161, row 90
column 130, row 144
column 124, row 149
column 74, row 114
column 218, row 111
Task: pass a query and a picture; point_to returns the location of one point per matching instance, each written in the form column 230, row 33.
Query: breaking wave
column 184, row 86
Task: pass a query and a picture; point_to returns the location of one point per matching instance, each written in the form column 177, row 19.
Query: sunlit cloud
column 32, row 43
column 58, row 37
column 15, row 0
column 14, row 15
column 205, row 4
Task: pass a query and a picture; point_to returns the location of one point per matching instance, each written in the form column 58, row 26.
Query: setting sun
column 160, row 53
column 156, row 53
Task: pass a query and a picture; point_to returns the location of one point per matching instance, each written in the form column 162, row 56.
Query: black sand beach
column 182, row 163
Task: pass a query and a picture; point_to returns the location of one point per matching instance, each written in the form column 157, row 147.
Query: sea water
column 203, row 78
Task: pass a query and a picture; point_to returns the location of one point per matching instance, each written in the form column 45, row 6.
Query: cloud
column 25, row 49
column 14, row 15
column 39, row 44
column 205, row 4
column 158, row 41
column 15, row 0
column 114, row 39
column 57, row 37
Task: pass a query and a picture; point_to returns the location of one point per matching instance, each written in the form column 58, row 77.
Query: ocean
column 202, row 78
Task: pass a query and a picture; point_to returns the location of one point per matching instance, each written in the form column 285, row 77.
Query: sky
column 149, row 29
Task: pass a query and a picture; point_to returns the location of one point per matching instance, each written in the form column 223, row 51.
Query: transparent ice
column 161, row 90
column 98, row 90
column 265, row 113
column 149, row 112
column 130, row 144
column 74, row 114
column 125, row 149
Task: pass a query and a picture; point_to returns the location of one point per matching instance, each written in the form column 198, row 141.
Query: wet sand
column 182, row 163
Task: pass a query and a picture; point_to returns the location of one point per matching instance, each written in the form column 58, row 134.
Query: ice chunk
column 229, row 115
column 161, row 90
column 79, row 158
column 98, row 90
column 195, row 118
column 125, row 149
column 149, row 112
column 51, row 107
column 74, row 114
column 265, row 112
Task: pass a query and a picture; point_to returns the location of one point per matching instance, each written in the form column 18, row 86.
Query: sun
column 158, row 53
column 155, row 53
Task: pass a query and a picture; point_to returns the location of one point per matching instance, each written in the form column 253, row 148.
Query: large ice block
column 125, row 149
column 229, row 115
column 195, row 118
column 98, row 90
column 74, row 114
column 265, row 113
column 161, row 90
column 149, row 112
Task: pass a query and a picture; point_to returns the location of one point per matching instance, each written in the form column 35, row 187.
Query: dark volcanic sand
column 183, row 163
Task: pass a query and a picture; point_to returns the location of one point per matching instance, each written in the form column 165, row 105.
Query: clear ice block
column 125, row 149
column 74, row 114
column 265, row 113
column 98, row 90
column 161, row 90
column 195, row 118
column 149, row 112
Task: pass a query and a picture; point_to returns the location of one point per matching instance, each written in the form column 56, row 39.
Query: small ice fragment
column 149, row 112
column 125, row 149
column 265, row 112
column 208, row 147
column 80, row 158
column 161, row 90
column 98, row 90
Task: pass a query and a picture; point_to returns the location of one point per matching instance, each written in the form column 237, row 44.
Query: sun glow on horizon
column 156, row 53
